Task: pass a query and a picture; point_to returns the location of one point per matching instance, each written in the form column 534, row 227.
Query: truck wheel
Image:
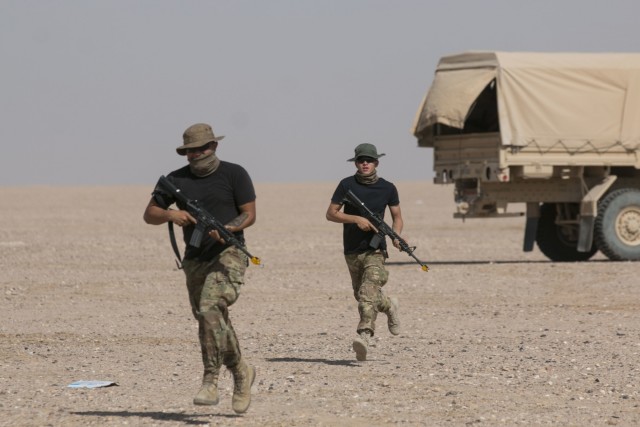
column 559, row 242
column 617, row 228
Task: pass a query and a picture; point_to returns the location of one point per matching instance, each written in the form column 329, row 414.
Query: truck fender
column 589, row 211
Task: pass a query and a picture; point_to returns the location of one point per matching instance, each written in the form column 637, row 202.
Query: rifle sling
column 174, row 245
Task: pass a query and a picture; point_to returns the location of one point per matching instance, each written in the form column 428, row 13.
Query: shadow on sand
column 487, row 262
column 325, row 361
column 185, row 418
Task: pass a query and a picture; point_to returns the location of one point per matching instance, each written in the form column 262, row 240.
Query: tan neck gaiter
column 372, row 178
column 204, row 165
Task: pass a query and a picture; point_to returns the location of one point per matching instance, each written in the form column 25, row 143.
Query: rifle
column 383, row 229
column 204, row 221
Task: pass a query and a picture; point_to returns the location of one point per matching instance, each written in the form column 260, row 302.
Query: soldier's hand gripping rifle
column 204, row 220
column 383, row 229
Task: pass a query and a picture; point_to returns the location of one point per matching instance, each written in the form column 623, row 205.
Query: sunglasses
column 199, row 149
column 361, row 160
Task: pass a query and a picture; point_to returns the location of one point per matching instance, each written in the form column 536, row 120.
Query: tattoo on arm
column 237, row 221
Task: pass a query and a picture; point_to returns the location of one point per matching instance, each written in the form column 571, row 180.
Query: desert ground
column 490, row 335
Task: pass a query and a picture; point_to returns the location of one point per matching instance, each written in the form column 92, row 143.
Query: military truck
column 556, row 133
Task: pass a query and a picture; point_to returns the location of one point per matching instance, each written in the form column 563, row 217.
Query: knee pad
column 212, row 318
column 219, row 307
column 378, row 276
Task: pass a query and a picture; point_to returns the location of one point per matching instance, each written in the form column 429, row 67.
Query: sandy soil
column 491, row 335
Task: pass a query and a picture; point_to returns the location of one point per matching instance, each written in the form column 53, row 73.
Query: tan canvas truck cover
column 583, row 101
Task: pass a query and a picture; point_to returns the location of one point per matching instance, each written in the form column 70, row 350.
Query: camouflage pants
column 213, row 286
column 368, row 276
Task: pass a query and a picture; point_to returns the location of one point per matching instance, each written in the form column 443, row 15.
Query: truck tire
column 617, row 228
column 557, row 242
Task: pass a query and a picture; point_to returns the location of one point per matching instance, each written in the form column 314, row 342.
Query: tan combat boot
column 208, row 393
column 361, row 344
column 243, row 376
column 393, row 319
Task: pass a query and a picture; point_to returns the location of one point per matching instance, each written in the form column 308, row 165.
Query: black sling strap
column 174, row 245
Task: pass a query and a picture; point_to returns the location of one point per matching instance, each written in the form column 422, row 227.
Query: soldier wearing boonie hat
column 196, row 136
column 366, row 265
column 366, row 150
column 215, row 270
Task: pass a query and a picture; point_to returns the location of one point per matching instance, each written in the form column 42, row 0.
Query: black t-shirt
column 220, row 194
column 376, row 197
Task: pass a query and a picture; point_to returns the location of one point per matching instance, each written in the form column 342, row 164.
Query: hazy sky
column 99, row 92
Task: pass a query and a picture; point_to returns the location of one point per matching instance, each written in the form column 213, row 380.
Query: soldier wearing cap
column 214, row 271
column 366, row 265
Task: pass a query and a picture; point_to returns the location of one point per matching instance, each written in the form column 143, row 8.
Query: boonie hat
column 366, row 150
column 196, row 136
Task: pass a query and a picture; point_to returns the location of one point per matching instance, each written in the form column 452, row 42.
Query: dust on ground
column 491, row 335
